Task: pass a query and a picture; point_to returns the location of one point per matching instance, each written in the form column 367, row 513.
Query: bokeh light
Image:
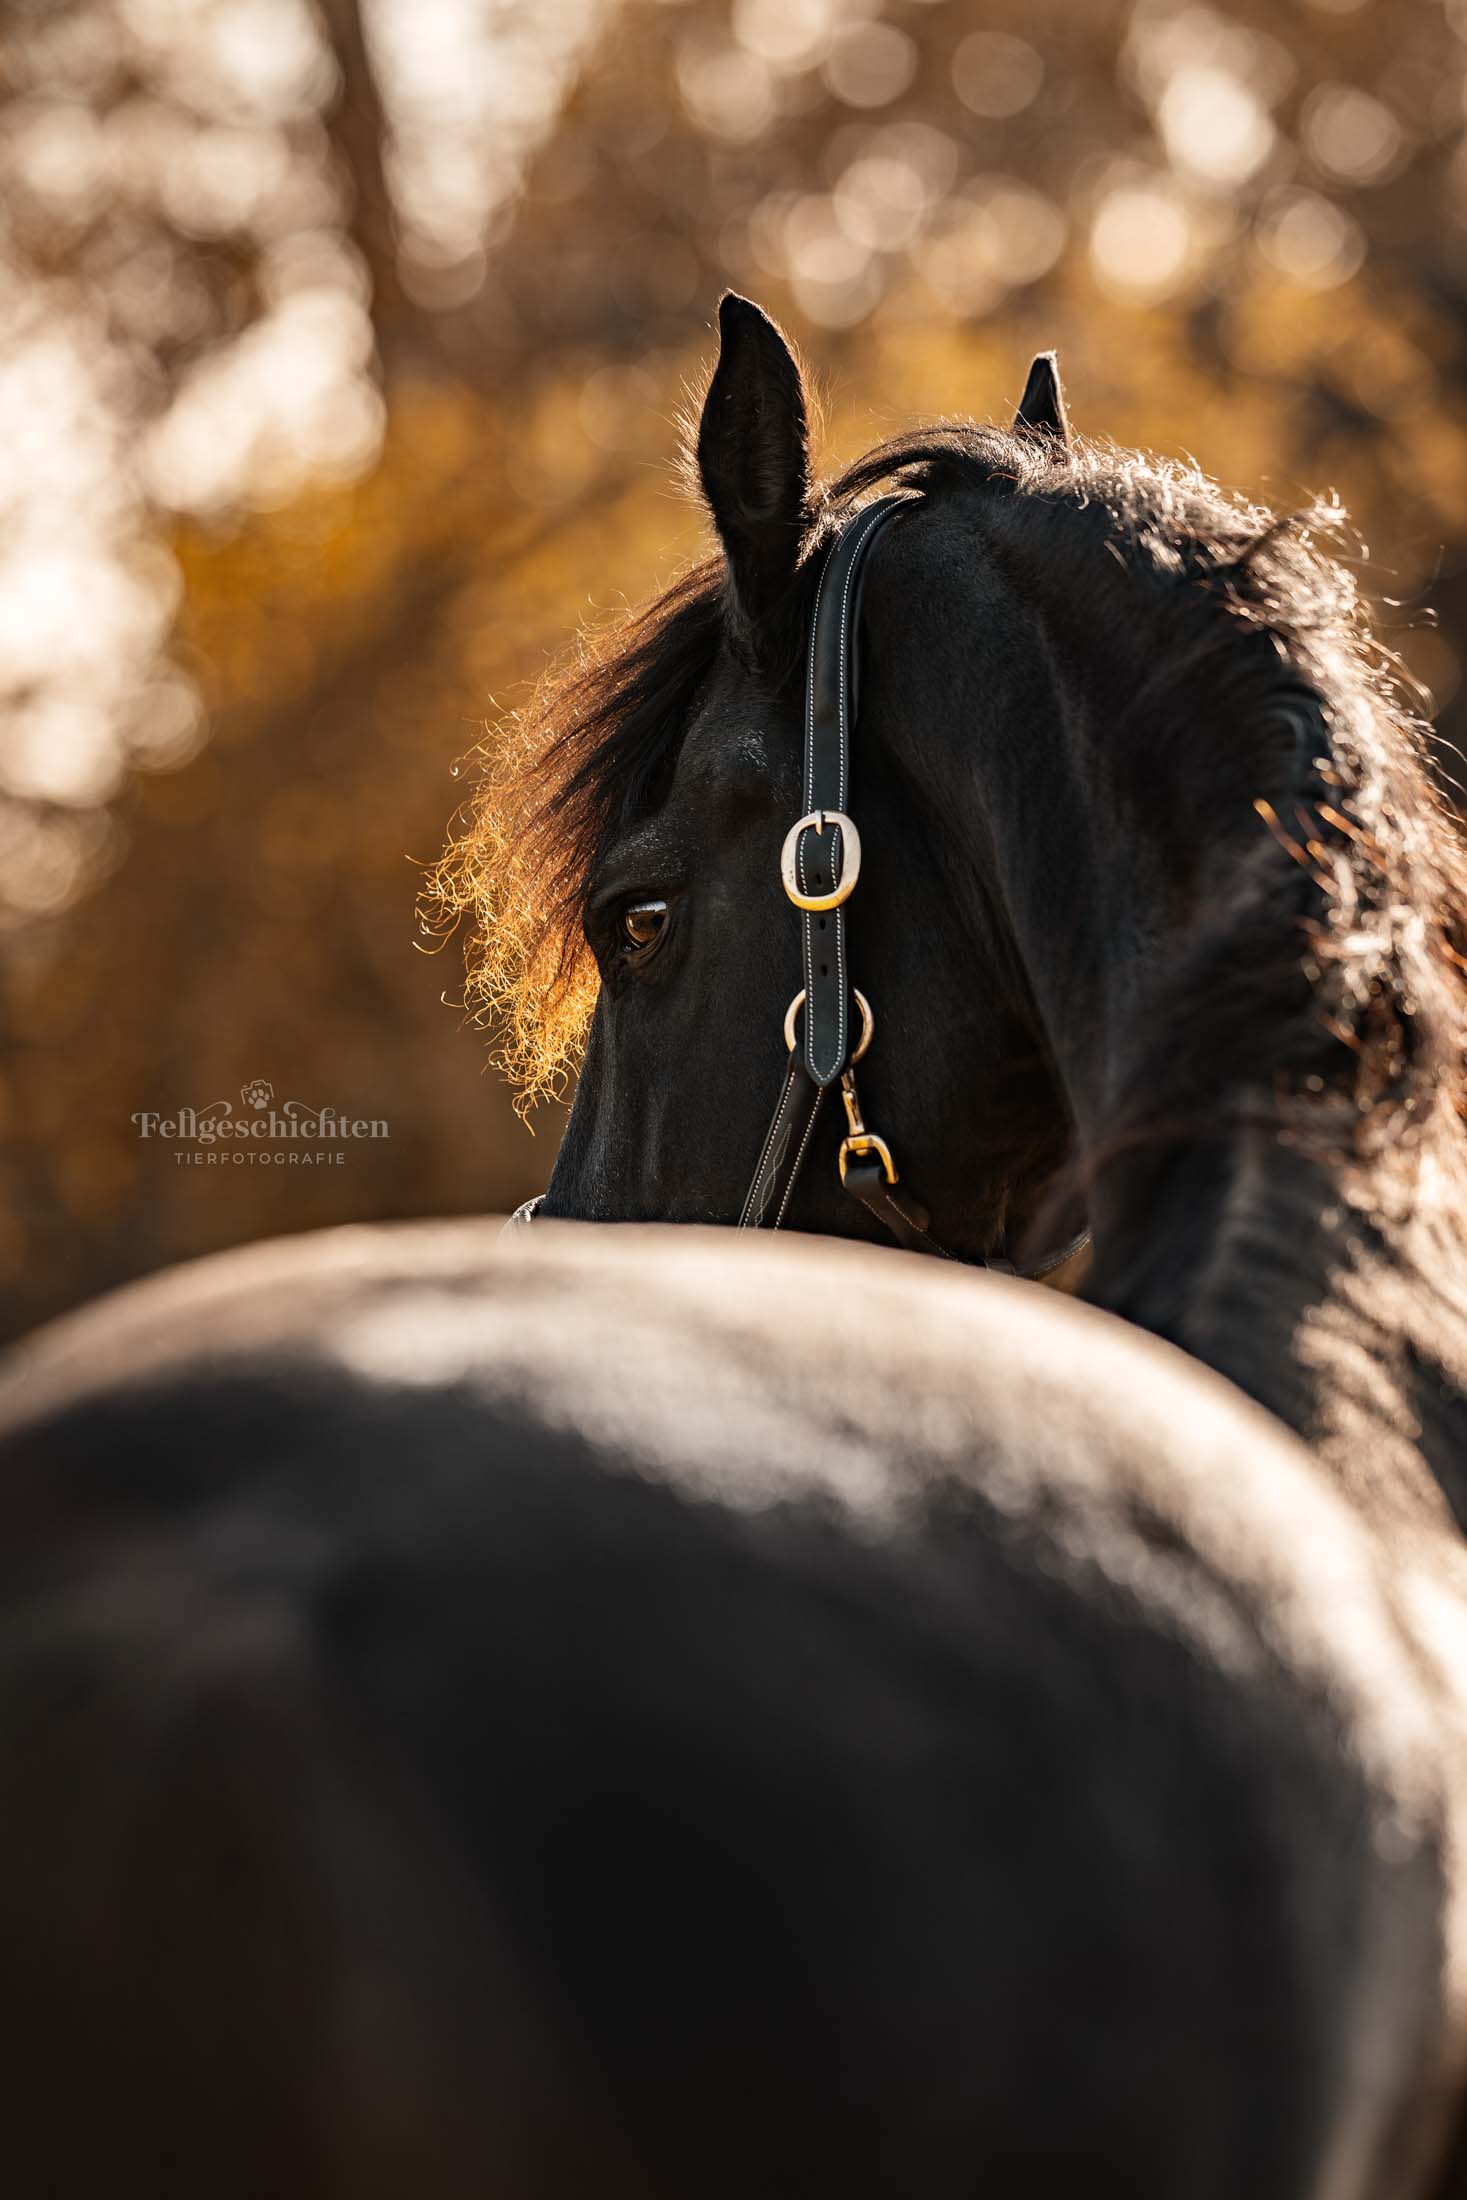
column 996, row 75
column 343, row 345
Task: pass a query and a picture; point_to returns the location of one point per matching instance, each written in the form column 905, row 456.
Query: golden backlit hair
column 594, row 748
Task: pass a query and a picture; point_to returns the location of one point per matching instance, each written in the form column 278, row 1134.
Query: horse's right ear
column 754, row 455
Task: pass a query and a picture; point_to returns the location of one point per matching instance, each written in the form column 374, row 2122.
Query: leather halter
column 820, row 865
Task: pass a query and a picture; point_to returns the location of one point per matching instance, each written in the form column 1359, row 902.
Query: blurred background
column 341, row 343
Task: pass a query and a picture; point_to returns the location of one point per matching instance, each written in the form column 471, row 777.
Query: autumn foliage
column 344, row 371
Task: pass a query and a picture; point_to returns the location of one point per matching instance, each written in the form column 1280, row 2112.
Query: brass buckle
column 868, row 1021
column 850, row 862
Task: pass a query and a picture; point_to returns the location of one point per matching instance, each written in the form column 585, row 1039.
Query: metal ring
column 868, row 1022
column 850, row 862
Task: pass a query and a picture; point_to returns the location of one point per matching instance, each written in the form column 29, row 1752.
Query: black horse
column 1150, row 853
column 650, row 1712
column 659, row 1712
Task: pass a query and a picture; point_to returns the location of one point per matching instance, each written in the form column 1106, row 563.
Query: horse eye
column 642, row 924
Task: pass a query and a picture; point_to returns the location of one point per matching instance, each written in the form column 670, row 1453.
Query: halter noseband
column 819, row 866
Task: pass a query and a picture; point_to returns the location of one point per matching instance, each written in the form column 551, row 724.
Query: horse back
column 638, row 1711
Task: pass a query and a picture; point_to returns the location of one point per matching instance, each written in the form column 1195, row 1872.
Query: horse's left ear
column 1042, row 406
column 754, row 455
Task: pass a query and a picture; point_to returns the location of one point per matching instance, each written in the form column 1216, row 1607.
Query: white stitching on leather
column 875, row 514
column 810, row 699
column 867, row 524
column 857, row 560
column 800, row 1157
column 807, row 929
column 915, row 1227
column 807, row 941
column 769, row 1138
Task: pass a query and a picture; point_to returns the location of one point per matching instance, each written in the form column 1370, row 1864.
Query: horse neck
column 1323, row 1271
column 1314, row 1258
column 1241, row 1206
column 1333, row 1291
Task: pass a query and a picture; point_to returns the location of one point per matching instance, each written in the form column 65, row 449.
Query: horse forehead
column 738, row 746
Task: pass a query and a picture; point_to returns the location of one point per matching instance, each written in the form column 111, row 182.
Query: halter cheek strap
column 821, row 861
column 820, row 864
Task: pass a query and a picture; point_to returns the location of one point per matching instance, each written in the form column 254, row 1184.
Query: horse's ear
column 1042, row 406
column 754, row 454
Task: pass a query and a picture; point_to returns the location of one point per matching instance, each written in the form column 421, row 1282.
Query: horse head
column 680, row 902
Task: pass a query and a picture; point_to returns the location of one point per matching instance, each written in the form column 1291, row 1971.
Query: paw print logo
column 258, row 1093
